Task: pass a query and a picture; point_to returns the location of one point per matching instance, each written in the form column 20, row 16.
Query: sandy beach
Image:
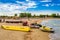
column 35, row 34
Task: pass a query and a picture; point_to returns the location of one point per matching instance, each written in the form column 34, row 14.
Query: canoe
column 44, row 28
column 19, row 28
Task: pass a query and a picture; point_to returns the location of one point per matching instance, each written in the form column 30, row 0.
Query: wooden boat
column 13, row 21
column 19, row 28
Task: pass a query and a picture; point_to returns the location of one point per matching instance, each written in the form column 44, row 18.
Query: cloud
column 12, row 8
column 8, row 8
column 46, row 1
column 47, row 5
column 27, row 0
column 26, row 5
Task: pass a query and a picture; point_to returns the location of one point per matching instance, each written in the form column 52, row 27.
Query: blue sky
column 10, row 7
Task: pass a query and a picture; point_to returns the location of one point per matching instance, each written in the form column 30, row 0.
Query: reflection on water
column 55, row 24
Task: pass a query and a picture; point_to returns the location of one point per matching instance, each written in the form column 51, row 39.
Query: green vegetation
column 55, row 15
column 34, row 15
column 25, row 15
column 15, row 15
column 41, row 15
column 28, row 15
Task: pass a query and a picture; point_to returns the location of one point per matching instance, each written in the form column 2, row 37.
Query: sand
column 35, row 34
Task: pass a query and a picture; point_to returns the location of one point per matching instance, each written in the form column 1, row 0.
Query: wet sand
column 35, row 34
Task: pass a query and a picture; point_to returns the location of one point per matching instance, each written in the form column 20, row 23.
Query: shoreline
column 36, row 34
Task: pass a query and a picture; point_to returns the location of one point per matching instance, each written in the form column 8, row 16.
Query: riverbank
column 35, row 34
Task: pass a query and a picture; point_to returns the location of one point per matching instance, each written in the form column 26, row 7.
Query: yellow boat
column 19, row 28
column 44, row 28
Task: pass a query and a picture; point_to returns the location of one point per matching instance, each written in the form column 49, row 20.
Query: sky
column 10, row 7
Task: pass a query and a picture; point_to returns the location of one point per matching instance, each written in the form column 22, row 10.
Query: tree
column 34, row 15
column 15, row 15
column 25, row 15
column 29, row 15
column 41, row 15
column 53, row 15
column 58, row 15
column 22, row 14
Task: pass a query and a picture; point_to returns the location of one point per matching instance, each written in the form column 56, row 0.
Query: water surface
column 55, row 24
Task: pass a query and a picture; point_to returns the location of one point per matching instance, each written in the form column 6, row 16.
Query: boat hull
column 19, row 28
column 47, row 29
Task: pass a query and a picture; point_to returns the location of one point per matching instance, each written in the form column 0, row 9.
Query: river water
column 55, row 24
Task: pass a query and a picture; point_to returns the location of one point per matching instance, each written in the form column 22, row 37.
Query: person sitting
column 25, row 23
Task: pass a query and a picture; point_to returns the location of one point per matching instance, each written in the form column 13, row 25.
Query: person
column 25, row 23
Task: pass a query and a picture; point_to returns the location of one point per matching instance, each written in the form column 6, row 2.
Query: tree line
column 55, row 15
